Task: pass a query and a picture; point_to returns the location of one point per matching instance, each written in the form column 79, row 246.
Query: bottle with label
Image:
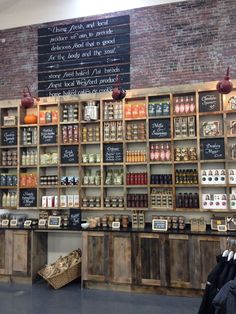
column 157, row 153
column 4, row 200
column 167, row 152
column 152, row 153
column 8, row 200
column 23, row 159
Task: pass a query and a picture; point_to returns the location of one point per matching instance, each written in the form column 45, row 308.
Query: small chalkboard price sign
column 28, row 198
column 48, row 134
column 69, row 154
column 9, row 137
column 159, row 225
column 212, row 149
column 159, row 128
column 209, row 101
column 113, row 152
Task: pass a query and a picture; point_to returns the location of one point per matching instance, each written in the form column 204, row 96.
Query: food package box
column 76, row 200
column 44, row 201
column 63, row 201
column 70, row 200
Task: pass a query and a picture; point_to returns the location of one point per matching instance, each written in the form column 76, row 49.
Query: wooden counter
column 165, row 263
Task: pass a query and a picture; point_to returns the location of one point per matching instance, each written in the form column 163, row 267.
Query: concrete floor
column 42, row 299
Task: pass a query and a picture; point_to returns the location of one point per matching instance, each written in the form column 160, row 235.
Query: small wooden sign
column 9, row 137
column 28, row 198
column 212, row 149
column 48, row 134
column 113, row 152
column 209, row 101
column 159, row 128
column 159, row 224
column 69, row 154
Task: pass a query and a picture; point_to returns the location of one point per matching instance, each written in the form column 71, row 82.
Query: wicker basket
column 59, row 280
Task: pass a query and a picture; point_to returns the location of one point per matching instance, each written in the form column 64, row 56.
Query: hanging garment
column 225, row 300
column 210, row 292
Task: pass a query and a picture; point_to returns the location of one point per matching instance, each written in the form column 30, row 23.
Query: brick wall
column 178, row 43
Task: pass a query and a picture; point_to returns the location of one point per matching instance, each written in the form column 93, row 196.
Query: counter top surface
column 147, row 229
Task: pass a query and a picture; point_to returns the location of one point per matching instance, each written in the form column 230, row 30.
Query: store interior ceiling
column 16, row 13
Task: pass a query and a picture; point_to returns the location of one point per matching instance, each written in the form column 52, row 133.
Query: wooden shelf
column 68, row 122
column 28, row 125
column 90, row 143
column 113, row 185
column 186, row 162
column 8, row 127
column 185, row 138
column 27, row 166
column 49, row 166
column 160, row 162
column 8, row 167
column 212, row 161
column 69, row 144
column 90, row 186
column 49, row 186
column 187, row 185
column 189, row 114
column 91, row 164
column 161, row 185
column 159, row 117
column 6, row 187
column 136, row 186
column 89, row 122
column 135, row 119
column 216, row 113
column 159, row 139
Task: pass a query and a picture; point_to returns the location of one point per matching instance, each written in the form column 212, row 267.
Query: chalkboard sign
column 113, row 152
column 212, row 149
column 48, row 134
column 9, row 137
column 84, row 57
column 28, row 197
column 209, row 101
column 159, row 128
column 69, row 155
column 75, row 218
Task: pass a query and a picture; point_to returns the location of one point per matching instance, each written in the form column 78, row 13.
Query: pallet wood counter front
column 166, row 263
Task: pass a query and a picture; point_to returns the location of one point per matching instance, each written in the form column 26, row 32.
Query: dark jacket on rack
column 225, row 300
column 210, row 292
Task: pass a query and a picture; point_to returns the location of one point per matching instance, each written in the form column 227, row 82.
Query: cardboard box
column 63, row 201
column 70, row 200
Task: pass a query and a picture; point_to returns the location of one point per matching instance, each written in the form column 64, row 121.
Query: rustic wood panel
column 20, row 252
column 179, row 261
column 120, row 258
column 95, row 256
column 209, row 248
column 2, row 252
column 38, row 251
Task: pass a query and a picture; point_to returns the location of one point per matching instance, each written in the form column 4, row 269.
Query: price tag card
column 54, row 221
column 13, row 223
column 27, row 223
column 42, row 222
column 159, row 224
column 5, row 222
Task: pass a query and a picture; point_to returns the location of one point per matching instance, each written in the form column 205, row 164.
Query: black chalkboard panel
column 75, row 218
column 28, row 197
column 212, row 149
column 48, row 134
column 9, row 137
column 69, row 154
column 159, row 128
column 209, row 101
column 113, row 152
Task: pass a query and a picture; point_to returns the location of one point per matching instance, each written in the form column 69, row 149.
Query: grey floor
column 41, row 299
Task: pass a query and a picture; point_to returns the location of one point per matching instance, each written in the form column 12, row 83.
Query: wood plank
column 39, row 250
column 95, row 255
column 20, row 252
column 2, row 252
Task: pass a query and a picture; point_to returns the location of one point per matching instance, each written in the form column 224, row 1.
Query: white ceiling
column 14, row 13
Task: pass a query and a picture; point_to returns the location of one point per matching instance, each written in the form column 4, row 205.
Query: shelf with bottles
column 91, row 133
column 28, row 178
column 113, row 131
column 187, row 200
column 160, row 176
column 48, row 114
column 135, row 108
column 69, row 112
column 29, row 136
column 160, row 152
column 136, row 200
column 184, row 127
column 91, row 198
column 49, row 198
column 186, row 176
column 112, row 110
column 159, row 106
column 184, row 104
column 69, row 134
column 136, row 153
column 90, row 111
column 90, row 155
column 29, row 157
column 135, row 131
column 185, row 152
column 113, row 176
column 9, row 199
column 91, row 177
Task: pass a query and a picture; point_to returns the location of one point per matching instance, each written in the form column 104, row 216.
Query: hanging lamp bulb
column 118, row 93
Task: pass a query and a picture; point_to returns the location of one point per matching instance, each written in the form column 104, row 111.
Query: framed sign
column 54, row 221
column 113, row 152
column 27, row 223
column 42, row 222
column 9, row 137
column 48, row 134
column 159, row 225
column 212, row 149
column 69, row 154
column 28, row 197
column 115, row 225
column 159, row 128
column 209, row 101
column 222, row 228
column 75, row 218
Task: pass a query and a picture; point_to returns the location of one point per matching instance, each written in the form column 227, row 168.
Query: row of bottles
column 138, row 178
column 70, row 134
column 91, row 134
column 187, row 200
column 113, row 131
column 184, row 104
column 136, row 156
column 9, row 157
column 9, row 199
column 29, row 158
column 136, row 131
column 186, row 176
column 70, row 113
column 91, row 111
column 29, row 136
column 160, row 152
column 137, row 200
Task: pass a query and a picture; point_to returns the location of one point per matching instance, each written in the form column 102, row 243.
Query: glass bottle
column 157, row 153
column 192, row 105
column 162, row 153
column 186, row 105
column 177, row 107
column 152, row 153
column 167, row 152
